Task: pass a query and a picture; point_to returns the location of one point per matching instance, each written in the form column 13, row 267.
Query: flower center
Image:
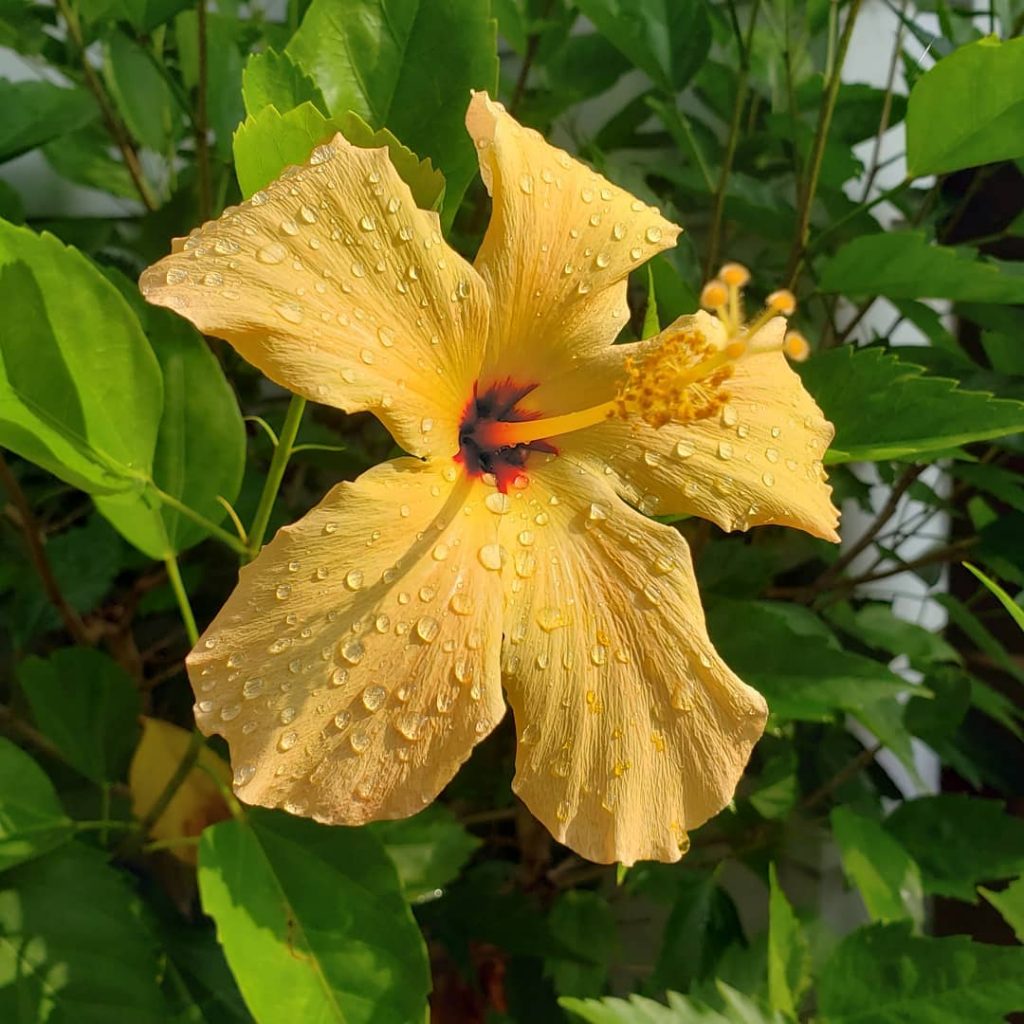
column 486, row 414
column 679, row 378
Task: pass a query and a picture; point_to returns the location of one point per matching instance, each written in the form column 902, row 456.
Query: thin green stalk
column 189, row 513
column 174, row 575
column 718, row 207
column 679, row 128
column 202, row 120
column 278, row 464
column 809, row 184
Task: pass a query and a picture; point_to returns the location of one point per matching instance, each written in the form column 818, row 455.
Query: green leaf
column 885, row 875
column 884, row 975
column 885, row 408
column 668, row 39
column 906, row 265
column 874, row 625
column 968, row 109
column 32, row 821
column 777, row 786
column 141, row 93
column 88, row 706
column 757, row 640
column 373, row 58
column 73, row 944
column 959, row 841
column 788, row 953
column 583, row 922
column 1010, row 903
column 737, row 1009
column 428, row 850
column 703, row 924
column 36, row 112
column 312, row 920
column 86, row 157
column 426, row 184
column 273, row 79
column 80, row 391
column 200, row 447
column 268, row 142
column 1015, row 610
column 144, row 15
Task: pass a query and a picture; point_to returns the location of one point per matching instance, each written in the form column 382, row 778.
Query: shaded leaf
column 1010, row 903
column 583, row 922
column 884, row 975
column 36, row 112
column 959, row 841
column 73, row 945
column 32, row 821
column 141, row 93
column 788, row 952
column 87, row 705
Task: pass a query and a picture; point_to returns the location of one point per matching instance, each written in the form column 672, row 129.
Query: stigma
column 680, row 376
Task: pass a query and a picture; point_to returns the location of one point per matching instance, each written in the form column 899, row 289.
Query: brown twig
column 112, row 122
column 852, row 767
column 37, row 552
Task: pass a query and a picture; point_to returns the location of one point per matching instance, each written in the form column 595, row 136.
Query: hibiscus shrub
column 420, row 350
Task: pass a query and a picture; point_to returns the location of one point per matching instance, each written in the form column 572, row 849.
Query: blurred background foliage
column 870, row 866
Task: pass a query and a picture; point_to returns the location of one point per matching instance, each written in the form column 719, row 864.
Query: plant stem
column 189, row 513
column 174, row 576
column 37, row 552
column 532, row 45
column 809, row 184
column 115, row 128
column 185, row 765
column 278, row 464
column 202, row 119
column 742, row 78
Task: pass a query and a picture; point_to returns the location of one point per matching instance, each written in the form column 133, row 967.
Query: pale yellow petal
column 757, row 462
column 336, row 286
column 561, row 241
column 356, row 664
column 199, row 800
column 632, row 731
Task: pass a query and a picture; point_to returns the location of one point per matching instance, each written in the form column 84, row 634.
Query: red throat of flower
column 496, row 404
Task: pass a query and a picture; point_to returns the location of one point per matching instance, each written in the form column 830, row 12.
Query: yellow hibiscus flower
column 365, row 651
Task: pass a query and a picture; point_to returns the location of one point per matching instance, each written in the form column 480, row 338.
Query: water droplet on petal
column 374, row 697
column 287, row 741
column 359, row 741
column 354, row 579
column 653, row 234
column 352, row 651
column 491, row 556
column 427, row 628
column 497, row 502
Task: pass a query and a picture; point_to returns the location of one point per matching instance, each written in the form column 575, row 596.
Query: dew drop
column 354, row 579
column 767, row 479
column 619, row 232
column 491, row 556
column 243, row 775
column 725, row 451
column 339, row 677
column 598, row 654
column 359, row 741
column 287, row 716
column 230, row 712
column 287, row 741
column 352, row 651
column 440, row 552
column 342, row 719
column 410, row 724
column 526, row 184
column 252, row 688
column 272, row 253
column 367, row 223
column 461, row 604
column 497, row 502
column 283, row 590
column 427, row 628
column 374, row 697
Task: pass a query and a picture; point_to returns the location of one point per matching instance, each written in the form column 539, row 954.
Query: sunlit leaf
column 788, row 952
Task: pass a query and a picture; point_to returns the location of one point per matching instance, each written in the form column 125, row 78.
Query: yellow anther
column 714, row 295
column 796, row 346
column 783, row 301
column 734, row 274
column 736, row 348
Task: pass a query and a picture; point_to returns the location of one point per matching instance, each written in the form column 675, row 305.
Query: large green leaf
column 73, row 945
column 200, row 447
column 86, row 157
column 428, row 850
column 269, row 141
column 907, row 265
column 884, row 975
column 885, row 408
column 80, row 390
column 142, row 14
column 584, row 922
column 788, row 952
column 968, row 109
column 36, row 112
column 668, row 39
column 790, row 656
column 273, row 79
column 313, row 921
column 88, row 706
column 32, row 821
column 374, row 58
column 888, row 880
column 959, row 841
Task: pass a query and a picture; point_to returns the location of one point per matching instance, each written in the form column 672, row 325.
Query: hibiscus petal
column 356, row 664
column 632, row 731
column 757, row 462
column 560, row 244
column 336, row 286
